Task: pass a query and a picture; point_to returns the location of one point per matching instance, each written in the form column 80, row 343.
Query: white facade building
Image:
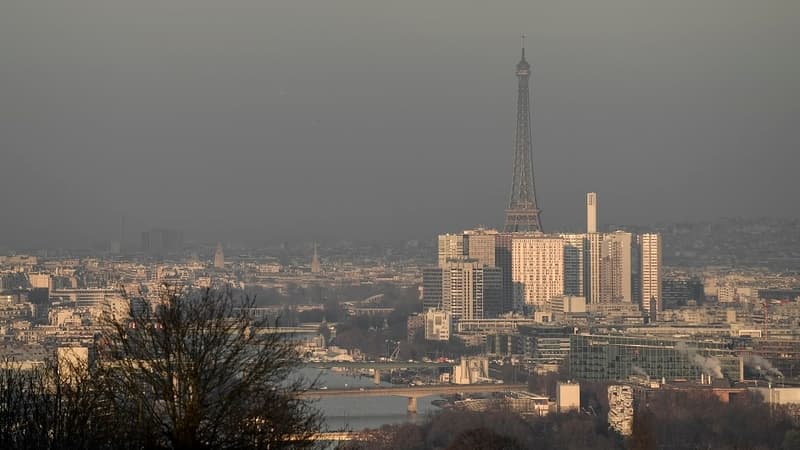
column 568, row 397
column 470, row 290
column 651, row 272
column 451, row 246
column 480, row 245
column 40, row 280
column 537, row 268
column 567, row 305
column 437, row 325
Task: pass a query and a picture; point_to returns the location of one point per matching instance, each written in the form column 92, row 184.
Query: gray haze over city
column 295, row 119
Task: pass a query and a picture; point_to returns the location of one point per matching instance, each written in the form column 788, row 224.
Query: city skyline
column 284, row 129
column 289, row 224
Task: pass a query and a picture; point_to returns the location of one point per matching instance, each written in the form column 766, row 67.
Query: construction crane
column 395, row 352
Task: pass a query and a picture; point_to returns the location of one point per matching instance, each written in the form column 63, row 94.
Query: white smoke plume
column 709, row 365
column 639, row 371
column 682, row 347
column 761, row 364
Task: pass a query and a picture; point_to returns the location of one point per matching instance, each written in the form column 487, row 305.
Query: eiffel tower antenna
column 523, row 211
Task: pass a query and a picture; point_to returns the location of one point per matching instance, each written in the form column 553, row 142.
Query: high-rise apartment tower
column 575, row 250
column 450, row 247
column 593, row 259
column 537, row 269
column 615, row 270
column 480, row 245
column 470, row 290
column 651, row 273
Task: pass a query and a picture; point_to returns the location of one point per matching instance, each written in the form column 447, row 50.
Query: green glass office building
column 612, row 357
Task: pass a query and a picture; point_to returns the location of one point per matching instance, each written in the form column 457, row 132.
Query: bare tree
column 48, row 407
column 197, row 370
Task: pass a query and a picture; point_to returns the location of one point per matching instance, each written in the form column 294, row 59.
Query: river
column 359, row 413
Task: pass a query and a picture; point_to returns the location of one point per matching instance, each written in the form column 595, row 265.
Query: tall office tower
column 457, row 289
column 480, row 245
column 161, row 241
column 537, row 269
column 468, row 289
column 502, row 253
column 431, row 288
column 316, row 266
column 636, row 268
column 219, row 257
column 574, row 267
column 523, row 211
column 615, row 269
column 592, row 266
column 451, row 246
column 489, row 288
column 475, row 247
column 652, row 300
column 591, row 212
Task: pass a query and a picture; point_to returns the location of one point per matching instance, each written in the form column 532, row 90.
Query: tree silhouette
column 197, row 370
column 48, row 407
column 484, row 439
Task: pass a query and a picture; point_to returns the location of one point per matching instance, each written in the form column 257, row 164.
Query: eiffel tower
column 523, row 212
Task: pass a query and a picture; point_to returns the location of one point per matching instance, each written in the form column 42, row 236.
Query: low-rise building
column 437, row 325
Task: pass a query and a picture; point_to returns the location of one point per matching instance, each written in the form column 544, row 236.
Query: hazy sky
column 287, row 119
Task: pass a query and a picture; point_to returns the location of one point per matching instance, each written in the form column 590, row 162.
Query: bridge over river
column 414, row 392
column 378, row 366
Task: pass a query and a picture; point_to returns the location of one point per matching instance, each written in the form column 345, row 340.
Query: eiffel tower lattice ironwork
column 523, row 212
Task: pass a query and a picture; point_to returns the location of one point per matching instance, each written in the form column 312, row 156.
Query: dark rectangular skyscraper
column 160, row 241
column 431, row 288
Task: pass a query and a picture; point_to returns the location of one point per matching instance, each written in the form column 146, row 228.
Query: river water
column 359, row 413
